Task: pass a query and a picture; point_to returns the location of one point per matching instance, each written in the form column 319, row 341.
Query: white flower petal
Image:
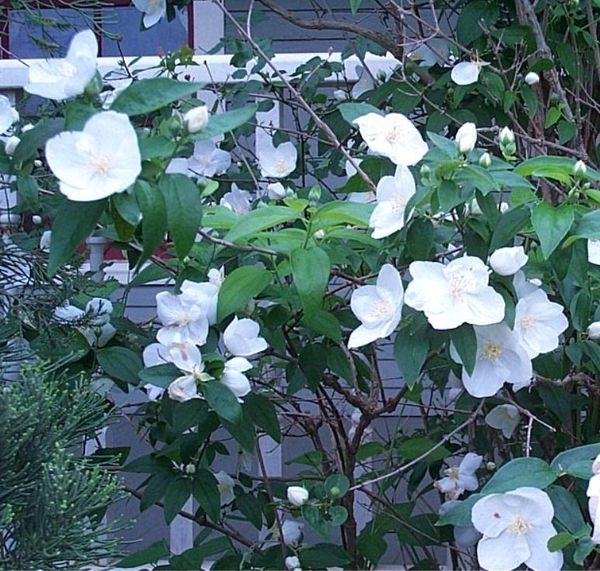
column 465, row 73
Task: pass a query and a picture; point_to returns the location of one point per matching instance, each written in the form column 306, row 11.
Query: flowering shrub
column 451, row 272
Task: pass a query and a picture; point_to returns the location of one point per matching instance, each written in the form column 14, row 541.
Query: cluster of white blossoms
column 186, row 318
column 93, row 322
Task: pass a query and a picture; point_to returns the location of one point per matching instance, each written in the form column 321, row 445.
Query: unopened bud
column 297, row 495
column 506, row 136
column 11, row 144
column 532, row 78
column 579, row 169
column 36, row 219
column 319, row 234
column 37, row 163
column 466, row 138
column 190, row 469
column 425, row 171
column 314, row 195
column 485, row 160
column 196, row 119
column 490, row 466
column 341, row 95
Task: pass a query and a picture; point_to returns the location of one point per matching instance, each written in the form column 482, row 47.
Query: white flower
column 196, row 119
column 154, row 354
column 60, row 79
column 460, row 478
column 101, row 160
column 466, row 72
column 8, row 114
column 186, row 316
column 225, row 486
column 579, row 169
column 393, row 136
column 532, row 78
column 277, row 162
column 216, row 277
column 393, row 193
column 485, row 160
column 453, row 294
column 508, row 261
column 11, row 144
column 500, row 359
column 516, row 527
column 187, row 358
column 153, row 10
column 234, row 378
column 593, row 252
column 466, row 138
column 276, row 191
column 378, row 307
column 292, row 532
column 237, row 200
column 208, row 160
column 241, row 338
column 593, row 493
column 99, row 309
column 593, row 330
column 297, row 495
column 292, row 563
column 538, row 323
column 504, row 417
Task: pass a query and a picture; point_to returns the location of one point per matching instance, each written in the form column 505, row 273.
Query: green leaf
column 418, row 446
column 120, row 363
column 337, row 515
column 324, row 555
column 474, row 18
column 519, row 472
column 552, row 223
column 178, row 492
column 323, row 323
column 150, row 273
column 221, row 123
column 183, row 200
column 338, row 213
column 508, row 226
column 160, row 375
column 36, row 138
column 262, row 412
column 239, row 287
column 460, row 514
column 589, row 226
column 154, row 218
column 566, row 509
column 560, row 541
column 222, row 400
column 313, row 517
column 206, row 492
column 258, row 220
column 75, row 222
column 563, row 461
column 465, row 342
column 251, row 508
column 352, row 111
column 411, row 348
column 336, row 485
column 149, row 95
column 479, row 178
column 150, row 554
column 310, row 270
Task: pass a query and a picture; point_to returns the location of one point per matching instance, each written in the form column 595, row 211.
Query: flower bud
column 466, row 137
column 425, row 171
column 508, row 261
column 532, row 78
column 319, row 234
column 196, row 119
column 506, row 136
column 37, row 163
column 593, row 331
column 292, row 563
column 579, row 169
column 297, row 495
column 314, row 195
column 485, row 160
column 490, row 466
column 36, row 219
column 11, row 144
column 340, row 95
column 190, row 469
